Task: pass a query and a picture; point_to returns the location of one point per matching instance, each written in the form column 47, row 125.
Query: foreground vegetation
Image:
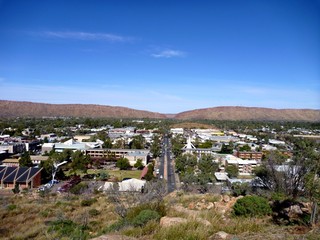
column 70, row 216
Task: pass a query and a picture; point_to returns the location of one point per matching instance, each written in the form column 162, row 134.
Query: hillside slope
column 30, row 109
column 251, row 113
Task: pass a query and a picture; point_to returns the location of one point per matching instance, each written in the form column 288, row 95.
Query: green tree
column 123, row 164
column 206, row 144
column 186, row 162
column 245, row 148
column 240, row 188
column 149, row 176
column 232, row 171
column 79, row 161
column 137, row 142
column 25, row 160
column 155, row 146
column 227, row 148
column 139, row 165
column 207, row 165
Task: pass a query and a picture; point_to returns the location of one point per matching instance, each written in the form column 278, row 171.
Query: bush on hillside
column 145, row 216
column 252, row 206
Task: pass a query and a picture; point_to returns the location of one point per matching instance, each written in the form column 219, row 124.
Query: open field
column 119, row 174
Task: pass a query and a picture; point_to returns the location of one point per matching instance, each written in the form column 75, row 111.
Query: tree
column 206, row 144
column 186, row 162
column 155, row 146
column 137, row 142
column 232, row 171
column 25, row 160
column 149, row 176
column 227, row 148
column 207, row 165
column 245, row 148
column 240, row 188
column 123, row 164
column 79, row 161
column 139, row 164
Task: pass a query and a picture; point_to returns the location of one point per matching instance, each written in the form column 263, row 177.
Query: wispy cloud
column 86, row 36
column 168, row 53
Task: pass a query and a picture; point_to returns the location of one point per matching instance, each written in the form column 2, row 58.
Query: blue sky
column 164, row 56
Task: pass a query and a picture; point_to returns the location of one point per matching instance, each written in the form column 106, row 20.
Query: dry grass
column 30, row 217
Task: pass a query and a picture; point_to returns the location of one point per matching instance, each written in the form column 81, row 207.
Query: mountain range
column 11, row 109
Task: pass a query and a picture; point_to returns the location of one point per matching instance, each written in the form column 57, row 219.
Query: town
column 63, row 156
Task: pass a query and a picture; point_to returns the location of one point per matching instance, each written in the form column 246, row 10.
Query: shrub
column 67, row 228
column 250, row 206
column 79, row 188
column 88, row 202
column 11, row 207
column 93, row 212
column 116, row 226
column 145, row 216
column 159, row 208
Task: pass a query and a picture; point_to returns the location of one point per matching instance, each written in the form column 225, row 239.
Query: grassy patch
column 191, row 230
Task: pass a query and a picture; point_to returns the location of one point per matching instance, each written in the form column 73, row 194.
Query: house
column 25, row 177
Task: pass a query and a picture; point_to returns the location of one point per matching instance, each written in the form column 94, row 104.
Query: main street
column 166, row 168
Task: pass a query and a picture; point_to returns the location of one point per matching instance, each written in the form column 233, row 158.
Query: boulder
column 191, row 206
column 210, row 205
column 114, row 237
column 204, row 222
column 221, row 235
column 170, row 221
column 226, row 198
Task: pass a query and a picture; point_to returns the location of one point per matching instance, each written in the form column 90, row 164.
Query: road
column 166, row 168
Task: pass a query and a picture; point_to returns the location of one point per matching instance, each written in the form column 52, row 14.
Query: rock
column 170, row 221
column 204, row 222
column 210, row 205
column 226, row 198
column 191, row 206
column 200, row 206
column 219, row 236
column 295, row 212
column 113, row 237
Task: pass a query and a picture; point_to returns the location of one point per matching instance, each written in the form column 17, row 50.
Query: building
column 113, row 154
column 37, row 159
column 70, row 145
column 190, row 148
column 245, row 166
column 10, row 162
column 249, row 155
column 25, row 177
column 13, row 148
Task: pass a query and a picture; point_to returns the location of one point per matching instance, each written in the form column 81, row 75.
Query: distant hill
column 29, row 109
column 251, row 113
